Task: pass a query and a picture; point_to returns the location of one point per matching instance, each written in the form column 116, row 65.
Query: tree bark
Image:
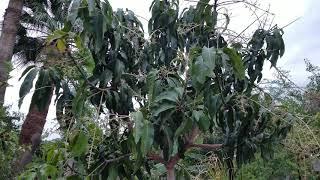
column 7, row 41
column 35, row 119
column 170, row 174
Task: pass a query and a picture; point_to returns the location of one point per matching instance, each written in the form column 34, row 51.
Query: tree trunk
column 170, row 174
column 35, row 119
column 7, row 41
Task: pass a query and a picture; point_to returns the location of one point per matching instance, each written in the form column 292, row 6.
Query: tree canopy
column 129, row 104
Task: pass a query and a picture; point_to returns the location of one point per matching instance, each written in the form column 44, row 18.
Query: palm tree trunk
column 35, row 119
column 7, row 41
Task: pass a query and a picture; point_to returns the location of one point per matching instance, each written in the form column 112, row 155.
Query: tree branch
column 206, row 146
column 156, row 158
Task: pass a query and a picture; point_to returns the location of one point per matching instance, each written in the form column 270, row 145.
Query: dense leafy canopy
column 154, row 96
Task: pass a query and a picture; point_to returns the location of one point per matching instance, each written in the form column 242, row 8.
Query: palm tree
column 43, row 19
column 7, row 40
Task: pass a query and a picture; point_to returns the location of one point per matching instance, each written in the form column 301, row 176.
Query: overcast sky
column 301, row 38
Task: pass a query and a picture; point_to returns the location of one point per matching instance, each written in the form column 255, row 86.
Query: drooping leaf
column 27, row 85
column 151, row 78
column 79, row 101
column 74, row 8
column 236, row 63
column 91, row 7
column 118, row 70
column 26, row 71
column 138, row 125
column 43, row 90
column 147, row 137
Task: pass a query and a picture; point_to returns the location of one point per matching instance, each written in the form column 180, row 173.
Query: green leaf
column 199, row 71
column 204, row 123
column 163, row 107
column 203, row 66
column 213, row 104
column 79, row 144
column 209, row 57
column 118, row 70
column 147, row 137
column 268, row 99
column 61, row 45
column 236, row 63
column 58, row 34
column 88, row 61
column 43, row 90
column 107, row 12
column 113, row 172
column 49, row 170
column 73, row 13
column 184, row 127
column 26, row 71
column 27, row 85
column 99, row 30
column 91, row 7
column 79, row 101
column 197, row 115
column 151, row 79
column 138, row 125
column 172, row 95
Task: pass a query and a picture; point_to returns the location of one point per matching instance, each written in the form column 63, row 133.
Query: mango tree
column 159, row 94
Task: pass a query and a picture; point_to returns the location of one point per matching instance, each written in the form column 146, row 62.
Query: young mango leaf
column 27, row 85
column 236, row 63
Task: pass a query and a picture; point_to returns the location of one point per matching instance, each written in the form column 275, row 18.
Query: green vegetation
column 184, row 103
